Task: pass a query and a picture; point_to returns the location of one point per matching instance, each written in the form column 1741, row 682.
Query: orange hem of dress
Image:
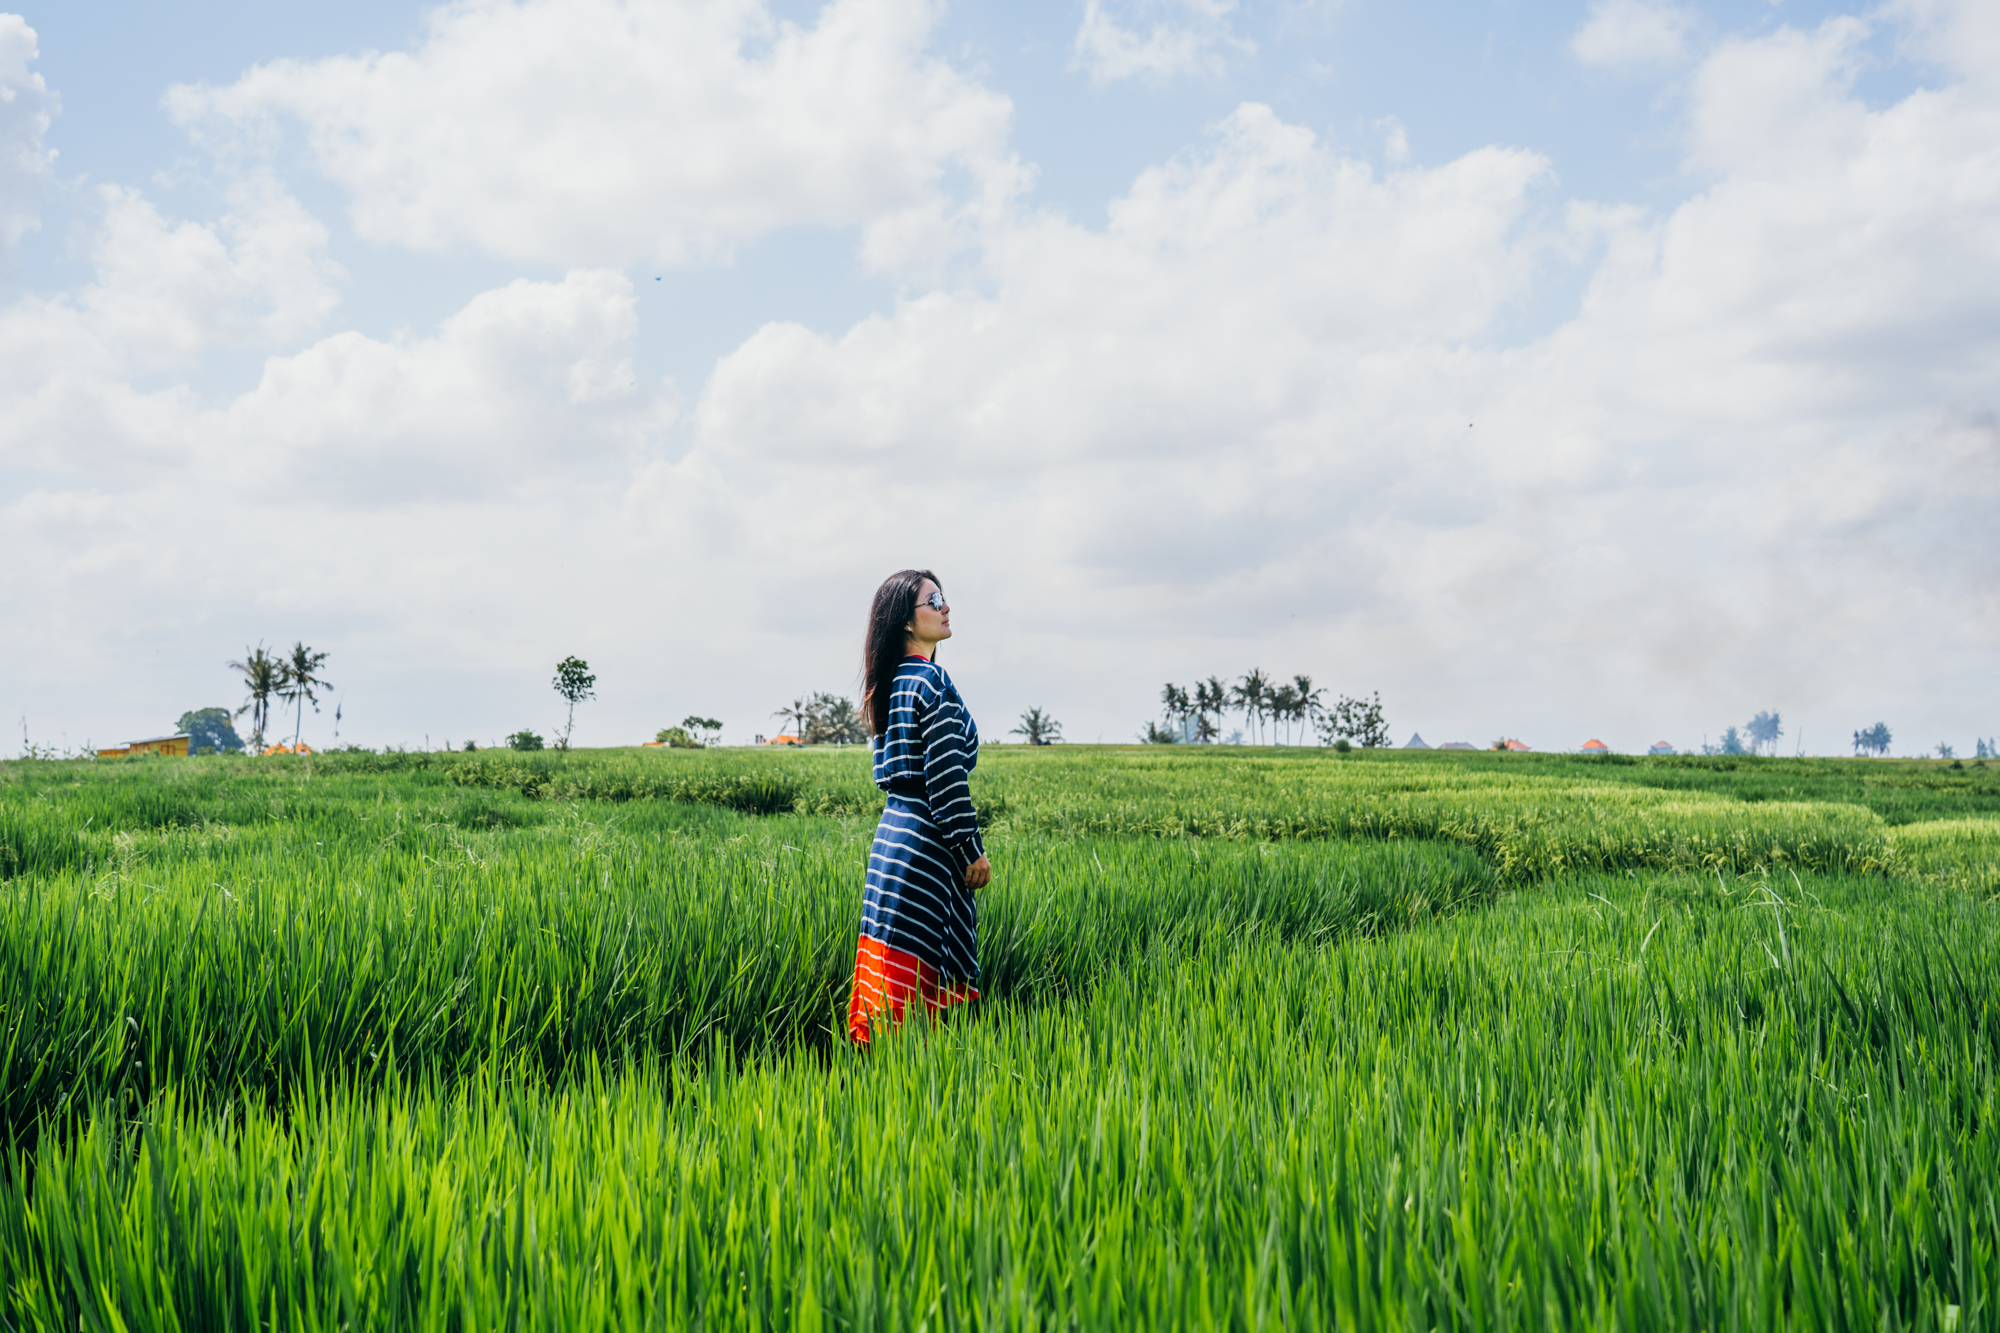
column 887, row 979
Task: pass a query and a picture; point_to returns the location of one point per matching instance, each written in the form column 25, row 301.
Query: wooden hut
column 166, row 745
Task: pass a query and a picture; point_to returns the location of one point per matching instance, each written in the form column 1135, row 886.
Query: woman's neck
column 916, row 647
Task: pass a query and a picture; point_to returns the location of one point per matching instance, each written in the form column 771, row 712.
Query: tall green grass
column 1639, row 1102
column 1531, row 822
column 250, row 962
column 470, row 1041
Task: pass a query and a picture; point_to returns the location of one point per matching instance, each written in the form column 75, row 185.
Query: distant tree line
column 693, row 733
column 1873, row 740
column 1760, row 733
column 1271, row 709
column 825, row 719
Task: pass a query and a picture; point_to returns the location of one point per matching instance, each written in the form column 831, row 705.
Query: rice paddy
column 1268, row 1039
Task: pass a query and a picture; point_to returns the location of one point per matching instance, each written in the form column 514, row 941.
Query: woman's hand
column 979, row 874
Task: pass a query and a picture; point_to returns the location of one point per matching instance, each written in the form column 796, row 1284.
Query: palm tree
column 1211, row 696
column 1251, row 694
column 1309, row 705
column 1038, row 728
column 795, row 713
column 264, row 676
column 1284, row 707
column 301, row 679
column 846, row 723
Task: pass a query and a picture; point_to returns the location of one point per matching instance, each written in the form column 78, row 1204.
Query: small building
column 1416, row 742
column 1518, row 746
column 1458, row 745
column 1661, row 747
column 1595, row 746
column 282, row 748
column 176, row 745
column 784, row 739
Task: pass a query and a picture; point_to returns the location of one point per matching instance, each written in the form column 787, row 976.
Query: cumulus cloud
column 26, row 105
column 432, row 505
column 164, row 295
column 1157, row 40
column 531, row 377
column 1623, row 34
column 1266, row 413
column 608, row 131
column 1265, row 400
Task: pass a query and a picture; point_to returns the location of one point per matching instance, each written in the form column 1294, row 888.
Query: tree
column 1986, row 749
column 263, row 676
column 677, row 737
column 710, row 728
column 1732, row 743
column 1211, row 696
column 831, row 719
column 1357, row 720
column 573, row 682
column 1945, row 751
column 1038, row 727
column 1873, row 740
column 1309, row 707
column 1179, row 706
column 524, row 740
column 301, row 680
column 1764, row 730
column 1251, row 695
column 209, row 729
column 1283, row 703
column 794, row 713
column 1155, row 734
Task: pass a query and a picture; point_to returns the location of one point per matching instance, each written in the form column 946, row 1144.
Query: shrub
column 524, row 740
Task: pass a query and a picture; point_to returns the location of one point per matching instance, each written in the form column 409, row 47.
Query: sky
column 1609, row 370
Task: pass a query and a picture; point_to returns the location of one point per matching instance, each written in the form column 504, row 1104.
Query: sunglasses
column 936, row 602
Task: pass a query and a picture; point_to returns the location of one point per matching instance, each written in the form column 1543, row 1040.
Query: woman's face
column 929, row 623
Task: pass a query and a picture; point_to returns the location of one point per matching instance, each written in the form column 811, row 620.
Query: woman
column 919, row 928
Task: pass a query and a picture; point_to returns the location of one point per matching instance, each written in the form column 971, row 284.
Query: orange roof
column 1595, row 744
column 1516, row 745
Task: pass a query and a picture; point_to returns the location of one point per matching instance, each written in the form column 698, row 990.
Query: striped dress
column 919, row 927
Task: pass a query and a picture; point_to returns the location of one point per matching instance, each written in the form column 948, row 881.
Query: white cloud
column 604, row 131
column 26, row 105
column 1628, row 33
column 1243, row 406
column 1179, row 37
column 530, row 377
column 165, row 293
column 1962, row 36
column 1265, row 414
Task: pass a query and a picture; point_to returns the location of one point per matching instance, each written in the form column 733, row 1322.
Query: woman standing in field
column 919, row 927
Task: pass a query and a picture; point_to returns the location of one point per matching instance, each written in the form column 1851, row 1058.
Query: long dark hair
column 888, row 640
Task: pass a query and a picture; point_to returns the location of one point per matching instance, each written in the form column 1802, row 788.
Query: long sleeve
column 950, row 749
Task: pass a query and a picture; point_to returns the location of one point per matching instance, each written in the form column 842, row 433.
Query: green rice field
column 1269, row 1038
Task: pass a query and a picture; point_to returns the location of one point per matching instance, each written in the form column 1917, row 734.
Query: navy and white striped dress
column 919, row 925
